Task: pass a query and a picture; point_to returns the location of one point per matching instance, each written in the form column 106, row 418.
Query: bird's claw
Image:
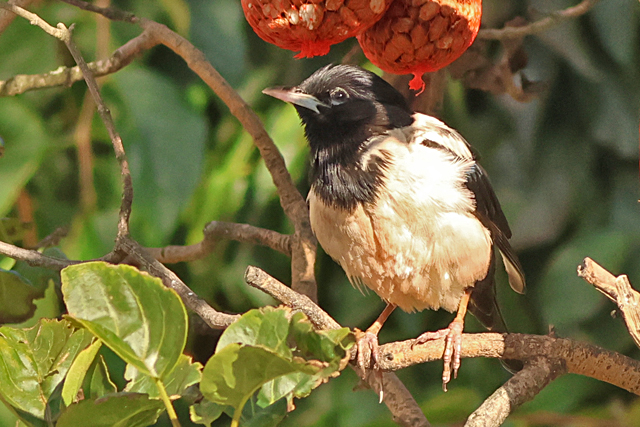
column 452, row 348
column 367, row 359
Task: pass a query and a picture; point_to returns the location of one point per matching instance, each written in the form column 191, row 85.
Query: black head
column 344, row 104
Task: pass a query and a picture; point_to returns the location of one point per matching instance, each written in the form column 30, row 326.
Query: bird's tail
column 484, row 306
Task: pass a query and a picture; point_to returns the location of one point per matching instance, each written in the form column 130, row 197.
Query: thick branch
column 217, row 230
column 617, row 289
column 538, row 26
column 580, row 358
column 404, row 408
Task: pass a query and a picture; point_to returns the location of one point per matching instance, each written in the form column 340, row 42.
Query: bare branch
column 617, row 289
column 62, row 33
column 538, row 26
column 580, row 358
column 64, row 76
column 34, row 258
column 217, row 230
column 108, row 12
column 520, row 388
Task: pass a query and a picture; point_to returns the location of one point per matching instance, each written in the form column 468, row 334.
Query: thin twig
column 108, row 12
column 66, row 76
column 617, row 289
column 34, row 258
column 538, row 26
column 217, row 230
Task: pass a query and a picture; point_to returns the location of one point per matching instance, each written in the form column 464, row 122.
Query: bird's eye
column 338, row 96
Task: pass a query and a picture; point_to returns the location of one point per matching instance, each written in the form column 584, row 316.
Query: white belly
column 420, row 248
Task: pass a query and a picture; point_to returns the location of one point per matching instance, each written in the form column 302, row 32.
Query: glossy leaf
column 185, row 374
column 133, row 313
column 78, row 371
column 34, row 361
column 205, row 412
column 97, row 381
column 233, row 374
column 121, row 410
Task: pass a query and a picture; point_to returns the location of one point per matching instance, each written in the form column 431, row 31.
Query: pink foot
column 452, row 348
column 367, row 359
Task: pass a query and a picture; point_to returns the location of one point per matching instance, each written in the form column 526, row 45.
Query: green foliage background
column 565, row 167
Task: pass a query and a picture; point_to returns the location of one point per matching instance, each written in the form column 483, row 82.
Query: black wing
column 489, row 212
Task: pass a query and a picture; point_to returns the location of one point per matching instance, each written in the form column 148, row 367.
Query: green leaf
column 272, row 339
column 237, row 371
column 34, row 361
column 133, row 313
column 185, row 373
column 16, row 297
column 116, row 410
column 205, row 412
column 78, row 371
column 97, row 381
column 267, row 327
column 255, row 415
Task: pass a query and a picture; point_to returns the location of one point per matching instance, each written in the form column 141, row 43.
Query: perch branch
column 217, row 230
column 580, row 358
column 539, row 26
column 617, row 289
column 520, row 388
column 404, row 408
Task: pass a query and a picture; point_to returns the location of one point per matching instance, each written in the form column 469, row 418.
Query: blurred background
column 564, row 166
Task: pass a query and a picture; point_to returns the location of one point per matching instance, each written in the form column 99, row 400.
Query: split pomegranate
column 419, row 36
column 311, row 26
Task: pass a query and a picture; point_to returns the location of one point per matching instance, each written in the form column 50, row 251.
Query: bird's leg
column 453, row 342
column 367, row 343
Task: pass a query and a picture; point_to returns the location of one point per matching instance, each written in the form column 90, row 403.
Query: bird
column 399, row 200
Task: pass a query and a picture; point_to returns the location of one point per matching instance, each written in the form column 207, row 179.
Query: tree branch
column 539, row 26
column 34, row 258
column 617, row 289
column 217, row 230
column 66, row 76
column 520, row 388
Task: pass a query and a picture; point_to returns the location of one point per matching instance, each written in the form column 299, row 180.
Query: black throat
column 338, row 175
